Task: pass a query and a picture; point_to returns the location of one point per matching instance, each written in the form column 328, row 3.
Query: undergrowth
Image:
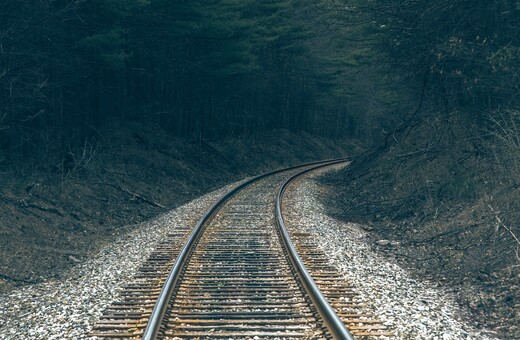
column 447, row 189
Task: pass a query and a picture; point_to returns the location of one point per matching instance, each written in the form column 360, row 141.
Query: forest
column 210, row 69
column 198, row 69
column 426, row 93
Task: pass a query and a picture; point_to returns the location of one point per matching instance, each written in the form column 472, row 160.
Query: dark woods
column 71, row 69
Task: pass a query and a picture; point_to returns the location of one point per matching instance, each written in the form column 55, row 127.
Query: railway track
column 238, row 275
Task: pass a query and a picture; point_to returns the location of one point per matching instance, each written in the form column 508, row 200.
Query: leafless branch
column 500, row 224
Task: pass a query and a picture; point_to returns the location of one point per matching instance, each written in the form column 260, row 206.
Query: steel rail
column 156, row 318
column 331, row 318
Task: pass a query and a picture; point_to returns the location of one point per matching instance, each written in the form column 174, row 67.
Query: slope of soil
column 437, row 199
column 53, row 217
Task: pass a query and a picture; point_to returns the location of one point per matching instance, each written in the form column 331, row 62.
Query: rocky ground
column 67, row 307
column 441, row 198
column 411, row 307
column 55, row 215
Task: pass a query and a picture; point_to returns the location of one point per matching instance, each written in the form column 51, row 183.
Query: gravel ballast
column 68, row 308
column 409, row 308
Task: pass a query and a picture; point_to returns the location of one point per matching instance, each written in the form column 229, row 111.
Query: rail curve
column 238, row 275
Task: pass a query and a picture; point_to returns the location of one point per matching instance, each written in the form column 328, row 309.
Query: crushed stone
column 411, row 309
column 68, row 308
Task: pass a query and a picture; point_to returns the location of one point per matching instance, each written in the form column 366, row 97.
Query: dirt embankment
column 53, row 216
column 439, row 200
